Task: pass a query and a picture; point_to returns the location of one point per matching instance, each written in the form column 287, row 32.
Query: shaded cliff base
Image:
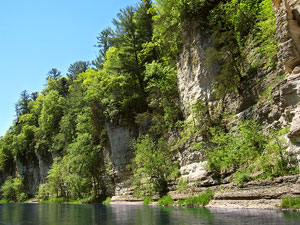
column 265, row 194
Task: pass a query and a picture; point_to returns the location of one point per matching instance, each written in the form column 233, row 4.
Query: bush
column 182, row 185
column 202, row 199
column 107, row 200
column 230, row 150
column 13, row 190
column 290, row 203
column 43, row 192
column 245, row 150
column 241, row 177
column 148, row 200
column 276, row 160
column 153, row 166
column 166, row 201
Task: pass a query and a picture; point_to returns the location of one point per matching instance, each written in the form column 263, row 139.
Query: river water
column 63, row 214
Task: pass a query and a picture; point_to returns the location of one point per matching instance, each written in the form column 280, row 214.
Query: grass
column 202, row 199
column 148, row 200
column 290, row 203
column 3, row 201
column 166, row 201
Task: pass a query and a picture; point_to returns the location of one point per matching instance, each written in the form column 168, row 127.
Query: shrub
column 202, row 199
column 182, row 185
column 241, row 177
column 231, row 150
column 276, row 160
column 107, row 200
column 247, row 149
column 290, row 203
column 153, row 166
column 181, row 202
column 13, row 190
column 43, row 192
column 166, row 201
column 148, row 200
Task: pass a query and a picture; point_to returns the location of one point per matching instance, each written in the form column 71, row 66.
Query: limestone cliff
column 195, row 81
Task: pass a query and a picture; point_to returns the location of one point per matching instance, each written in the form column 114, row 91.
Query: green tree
column 53, row 74
column 153, row 166
column 22, row 107
column 77, row 68
column 13, row 190
column 51, row 113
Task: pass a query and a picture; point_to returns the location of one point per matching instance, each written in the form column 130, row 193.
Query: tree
column 77, row 68
column 53, row 74
column 22, row 107
column 51, row 113
column 13, row 190
column 153, row 166
column 128, row 45
column 105, row 40
column 34, row 96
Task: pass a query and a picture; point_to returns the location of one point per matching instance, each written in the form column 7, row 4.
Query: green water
column 63, row 214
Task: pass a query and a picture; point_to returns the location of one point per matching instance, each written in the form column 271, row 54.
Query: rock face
column 120, row 138
column 120, row 154
column 288, row 32
column 34, row 168
column 45, row 160
column 288, row 37
column 194, row 77
column 28, row 167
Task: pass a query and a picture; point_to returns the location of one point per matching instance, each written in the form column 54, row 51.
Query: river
column 63, row 214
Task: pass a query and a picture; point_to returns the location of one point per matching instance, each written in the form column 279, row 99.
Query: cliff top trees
column 77, row 68
column 22, row 107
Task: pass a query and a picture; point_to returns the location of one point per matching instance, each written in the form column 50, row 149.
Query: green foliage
column 22, row 107
column 6, row 152
column 153, row 166
column 276, row 160
column 43, row 192
column 162, row 96
column 290, row 203
column 203, row 199
column 182, row 185
column 13, row 190
column 242, row 177
column 235, row 25
column 246, row 150
column 231, row 150
column 148, row 200
column 166, row 201
column 167, row 27
column 266, row 33
column 51, row 113
column 55, row 181
column 107, row 200
column 77, row 68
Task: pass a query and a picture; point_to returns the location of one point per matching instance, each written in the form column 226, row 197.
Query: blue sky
column 37, row 35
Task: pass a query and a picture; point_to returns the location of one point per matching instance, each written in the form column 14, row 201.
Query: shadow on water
column 65, row 214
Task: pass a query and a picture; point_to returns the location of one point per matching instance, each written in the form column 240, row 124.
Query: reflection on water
column 64, row 214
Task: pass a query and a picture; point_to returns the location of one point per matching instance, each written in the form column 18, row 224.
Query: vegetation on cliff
column 133, row 81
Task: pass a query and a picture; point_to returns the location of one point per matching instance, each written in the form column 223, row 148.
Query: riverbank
column 264, row 194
